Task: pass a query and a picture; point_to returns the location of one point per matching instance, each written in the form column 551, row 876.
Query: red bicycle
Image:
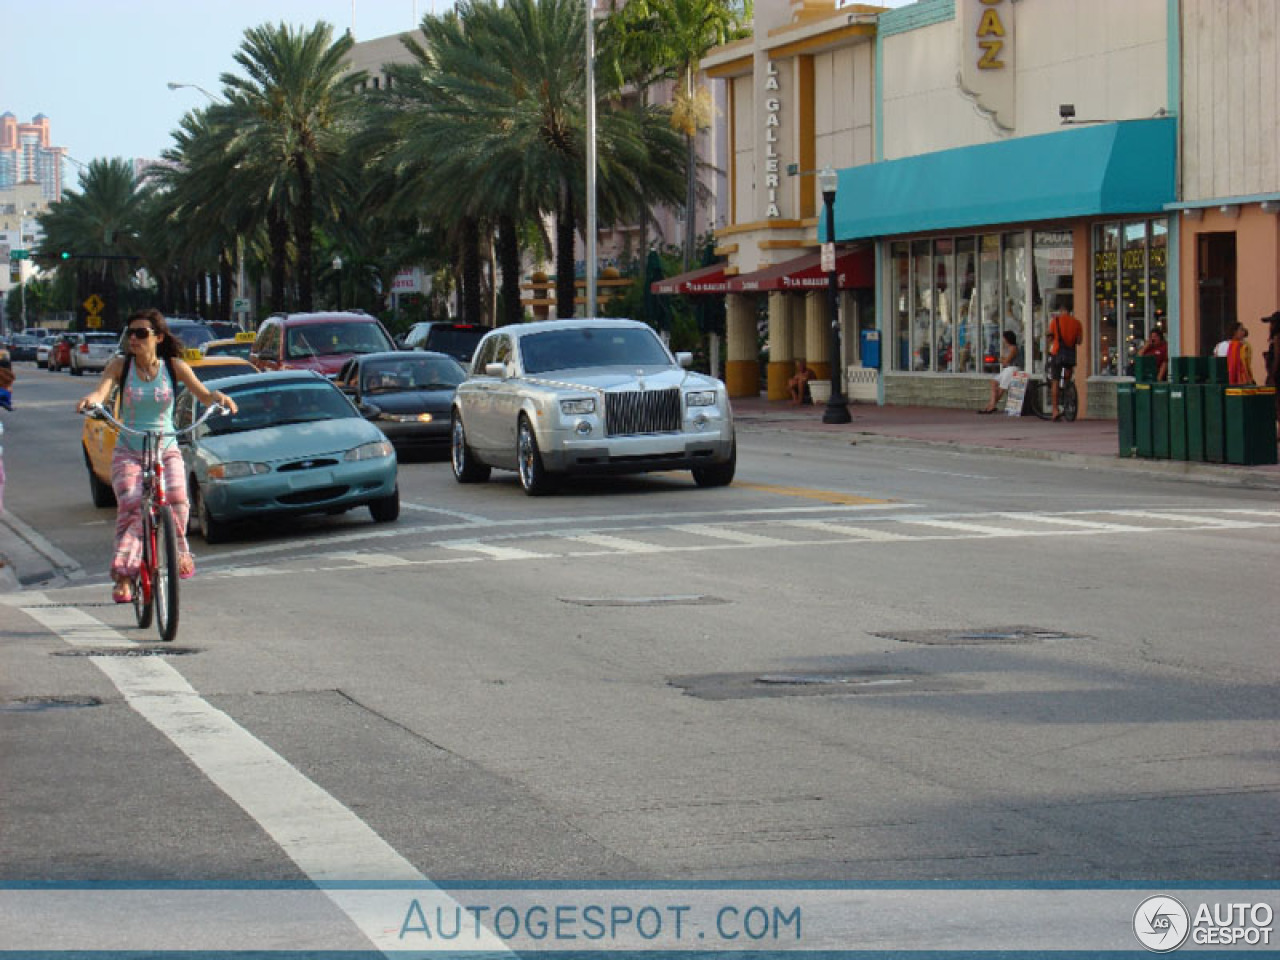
column 155, row 585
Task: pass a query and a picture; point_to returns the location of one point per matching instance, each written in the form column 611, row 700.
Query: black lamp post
column 837, row 410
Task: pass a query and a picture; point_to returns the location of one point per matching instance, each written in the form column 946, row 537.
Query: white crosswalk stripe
column 616, row 544
column 1076, row 522
column 495, row 550
column 978, row 529
column 847, row 531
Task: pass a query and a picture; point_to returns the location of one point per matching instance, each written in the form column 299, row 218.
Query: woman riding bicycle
column 146, row 376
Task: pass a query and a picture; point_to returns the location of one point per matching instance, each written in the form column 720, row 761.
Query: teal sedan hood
column 290, row 441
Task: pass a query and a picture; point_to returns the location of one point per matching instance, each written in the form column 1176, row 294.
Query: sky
column 99, row 68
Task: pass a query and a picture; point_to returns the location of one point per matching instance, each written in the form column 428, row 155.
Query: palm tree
column 667, row 39
column 293, row 109
column 99, row 226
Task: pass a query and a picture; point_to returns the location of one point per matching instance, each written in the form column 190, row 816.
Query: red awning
column 701, row 281
column 854, row 268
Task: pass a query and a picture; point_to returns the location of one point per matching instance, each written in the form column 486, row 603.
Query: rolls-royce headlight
column 700, row 398
column 578, row 405
column 369, row 451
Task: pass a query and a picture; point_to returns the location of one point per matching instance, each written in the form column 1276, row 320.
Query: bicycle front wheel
column 144, row 581
column 1070, row 401
column 165, row 583
column 1039, row 399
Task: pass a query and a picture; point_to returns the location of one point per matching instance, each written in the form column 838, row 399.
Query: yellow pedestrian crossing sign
column 94, row 304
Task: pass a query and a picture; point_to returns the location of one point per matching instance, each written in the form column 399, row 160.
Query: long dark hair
column 170, row 346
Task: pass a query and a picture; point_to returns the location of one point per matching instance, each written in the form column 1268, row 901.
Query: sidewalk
column 1086, row 443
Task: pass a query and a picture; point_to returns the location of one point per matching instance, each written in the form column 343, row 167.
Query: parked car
column 98, row 439
column 23, row 346
column 458, row 340
column 90, row 352
column 296, row 445
column 60, row 353
column 322, row 342
column 564, row 397
column 405, row 394
column 44, row 350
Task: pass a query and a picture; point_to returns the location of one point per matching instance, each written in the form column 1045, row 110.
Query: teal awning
column 1121, row 168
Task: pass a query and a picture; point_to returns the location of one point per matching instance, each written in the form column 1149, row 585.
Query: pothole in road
column 978, row 637
column 863, row 681
column 673, row 600
column 37, row 704
column 134, row 650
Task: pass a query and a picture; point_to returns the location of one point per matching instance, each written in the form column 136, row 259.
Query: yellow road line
column 827, row 496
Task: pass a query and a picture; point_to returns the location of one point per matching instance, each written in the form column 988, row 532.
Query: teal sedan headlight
column 700, row 398
column 369, row 451
column 578, row 406
column 236, row 468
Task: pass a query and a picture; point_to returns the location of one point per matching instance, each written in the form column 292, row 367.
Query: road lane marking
column 727, row 533
column 1195, row 519
column 981, row 529
column 827, row 496
column 615, row 544
column 329, row 843
column 473, row 518
column 374, row 559
column 848, row 532
column 493, row 550
column 947, row 473
column 1096, row 526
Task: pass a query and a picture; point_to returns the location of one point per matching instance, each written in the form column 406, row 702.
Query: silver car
column 587, row 396
column 91, row 352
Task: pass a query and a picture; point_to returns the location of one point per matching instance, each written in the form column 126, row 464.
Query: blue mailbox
column 870, row 348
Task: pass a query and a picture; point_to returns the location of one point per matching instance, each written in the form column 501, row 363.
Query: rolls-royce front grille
column 642, row 411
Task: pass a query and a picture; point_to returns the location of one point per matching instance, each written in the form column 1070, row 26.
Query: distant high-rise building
column 26, row 155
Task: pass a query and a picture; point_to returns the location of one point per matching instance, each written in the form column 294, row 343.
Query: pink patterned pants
column 126, row 481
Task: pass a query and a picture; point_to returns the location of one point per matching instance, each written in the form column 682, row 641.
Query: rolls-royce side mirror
column 685, row 359
column 495, row 370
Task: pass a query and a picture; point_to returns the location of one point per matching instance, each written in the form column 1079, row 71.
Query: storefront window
column 1053, row 281
column 1015, row 287
column 1130, row 293
column 1106, row 263
column 922, row 327
column 966, row 306
column 900, row 285
column 989, row 298
column 943, row 319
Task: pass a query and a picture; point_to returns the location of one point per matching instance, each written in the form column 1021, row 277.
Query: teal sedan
column 296, row 445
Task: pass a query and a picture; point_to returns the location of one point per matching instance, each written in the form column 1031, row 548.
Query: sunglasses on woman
column 141, row 333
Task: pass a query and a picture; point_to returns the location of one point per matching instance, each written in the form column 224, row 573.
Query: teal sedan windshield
column 274, row 405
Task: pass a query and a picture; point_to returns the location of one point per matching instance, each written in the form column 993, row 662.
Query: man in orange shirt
column 1065, row 335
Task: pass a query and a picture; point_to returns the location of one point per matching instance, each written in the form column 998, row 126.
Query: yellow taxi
column 99, row 437
column 237, row 346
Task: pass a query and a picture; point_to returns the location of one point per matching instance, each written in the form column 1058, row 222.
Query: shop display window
column 1130, row 293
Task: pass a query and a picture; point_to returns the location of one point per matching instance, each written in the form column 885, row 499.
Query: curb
column 30, row 559
column 1170, row 469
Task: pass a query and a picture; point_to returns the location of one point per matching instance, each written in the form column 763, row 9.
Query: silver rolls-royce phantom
column 563, row 397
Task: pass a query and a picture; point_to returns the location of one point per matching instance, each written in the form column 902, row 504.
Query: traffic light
column 66, row 255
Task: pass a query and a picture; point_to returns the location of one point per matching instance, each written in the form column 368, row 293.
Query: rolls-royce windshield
column 580, row 347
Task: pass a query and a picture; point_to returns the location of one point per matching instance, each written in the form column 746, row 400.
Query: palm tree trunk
column 224, row 287
column 566, row 229
column 278, row 236
column 690, row 201
column 509, row 261
column 471, row 299
column 302, row 233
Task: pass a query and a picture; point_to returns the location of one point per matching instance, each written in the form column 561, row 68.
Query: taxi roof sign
column 192, row 353
column 246, row 335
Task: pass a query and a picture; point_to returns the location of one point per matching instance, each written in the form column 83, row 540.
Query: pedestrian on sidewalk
column 1240, row 358
column 1010, row 363
column 1272, row 357
column 797, row 385
column 1065, row 334
column 1156, row 346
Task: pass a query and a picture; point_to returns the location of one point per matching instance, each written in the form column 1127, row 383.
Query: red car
column 60, row 354
column 322, row 342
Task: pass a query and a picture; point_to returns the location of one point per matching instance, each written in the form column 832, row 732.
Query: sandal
column 123, row 592
column 186, row 567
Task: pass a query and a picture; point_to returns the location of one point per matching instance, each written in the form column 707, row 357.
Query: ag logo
column 1161, row 924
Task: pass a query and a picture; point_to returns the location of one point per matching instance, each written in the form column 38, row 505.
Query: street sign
column 93, row 321
column 93, row 306
column 19, row 254
column 828, row 257
column 240, row 305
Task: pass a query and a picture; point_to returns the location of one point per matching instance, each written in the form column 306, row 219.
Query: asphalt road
column 859, row 663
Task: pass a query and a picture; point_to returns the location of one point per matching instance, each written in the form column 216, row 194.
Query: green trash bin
column 1195, row 420
column 1142, row 419
column 1215, row 370
column 1188, row 369
column 1160, row 420
column 1215, row 444
column 1178, row 420
column 1250, row 425
column 1145, row 369
column 1125, row 418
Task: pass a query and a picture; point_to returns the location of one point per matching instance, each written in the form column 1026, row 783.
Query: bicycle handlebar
column 98, row 412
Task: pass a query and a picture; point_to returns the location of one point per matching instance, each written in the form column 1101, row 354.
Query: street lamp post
column 591, row 159
column 837, row 410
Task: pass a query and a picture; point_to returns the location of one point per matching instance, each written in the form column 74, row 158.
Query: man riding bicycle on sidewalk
column 1065, row 334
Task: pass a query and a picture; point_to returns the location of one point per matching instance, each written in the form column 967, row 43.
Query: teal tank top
column 147, row 405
